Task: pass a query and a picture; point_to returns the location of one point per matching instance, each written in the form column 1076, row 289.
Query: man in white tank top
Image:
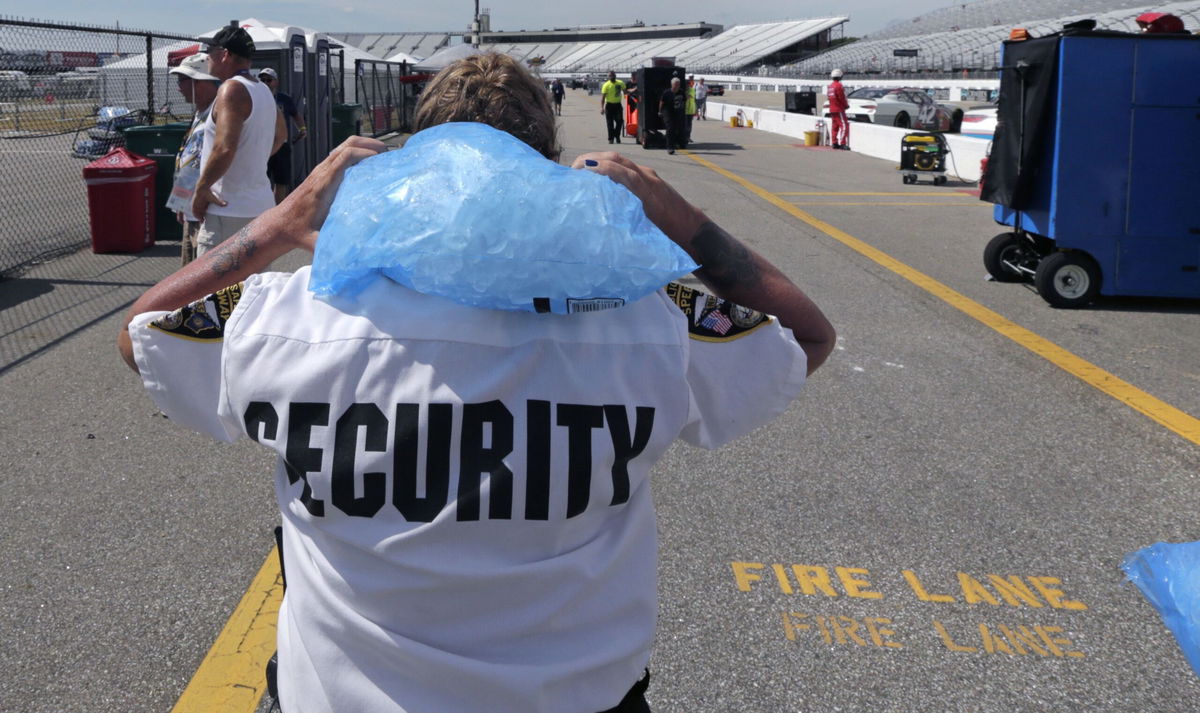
column 242, row 131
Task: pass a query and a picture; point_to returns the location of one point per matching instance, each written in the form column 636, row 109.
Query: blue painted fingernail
column 590, row 162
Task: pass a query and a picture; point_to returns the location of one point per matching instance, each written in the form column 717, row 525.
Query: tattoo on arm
column 228, row 256
column 725, row 261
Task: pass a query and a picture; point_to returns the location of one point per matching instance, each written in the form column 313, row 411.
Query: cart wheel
column 907, row 179
column 1067, row 280
column 939, row 180
column 1004, row 248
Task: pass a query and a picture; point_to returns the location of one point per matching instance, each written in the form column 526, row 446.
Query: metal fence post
column 149, row 79
column 390, row 98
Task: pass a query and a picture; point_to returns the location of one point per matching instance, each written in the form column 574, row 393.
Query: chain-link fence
column 387, row 93
column 66, row 94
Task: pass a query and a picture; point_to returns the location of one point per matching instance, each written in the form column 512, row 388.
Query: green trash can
column 160, row 144
column 346, row 122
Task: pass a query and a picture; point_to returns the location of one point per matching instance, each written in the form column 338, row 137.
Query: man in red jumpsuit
column 840, row 125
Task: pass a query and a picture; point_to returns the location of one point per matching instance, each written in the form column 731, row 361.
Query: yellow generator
column 923, row 154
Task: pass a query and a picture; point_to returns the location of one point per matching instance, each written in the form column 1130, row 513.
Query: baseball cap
column 234, row 39
column 269, row 72
column 194, row 67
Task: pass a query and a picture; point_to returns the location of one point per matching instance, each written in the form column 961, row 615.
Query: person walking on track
column 611, row 93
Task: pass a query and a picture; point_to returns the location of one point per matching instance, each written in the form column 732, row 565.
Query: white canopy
column 123, row 83
column 443, row 58
column 404, row 57
column 267, row 34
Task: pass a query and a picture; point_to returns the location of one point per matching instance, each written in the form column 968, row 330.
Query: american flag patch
column 717, row 322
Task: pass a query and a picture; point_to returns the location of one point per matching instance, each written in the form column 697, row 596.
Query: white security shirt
column 465, row 492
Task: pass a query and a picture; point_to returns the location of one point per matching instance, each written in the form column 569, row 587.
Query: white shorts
column 216, row 229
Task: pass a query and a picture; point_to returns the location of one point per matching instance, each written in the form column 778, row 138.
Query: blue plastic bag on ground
column 470, row 213
column 1169, row 576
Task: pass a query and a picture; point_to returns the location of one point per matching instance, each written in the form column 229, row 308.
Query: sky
column 197, row 16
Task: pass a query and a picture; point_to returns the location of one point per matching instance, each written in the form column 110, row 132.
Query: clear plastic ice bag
column 470, row 213
column 1169, row 576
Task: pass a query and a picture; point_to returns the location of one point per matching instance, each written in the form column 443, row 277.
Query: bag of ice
column 470, row 213
column 1169, row 576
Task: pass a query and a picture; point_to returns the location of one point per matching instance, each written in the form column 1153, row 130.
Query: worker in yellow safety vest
column 611, row 93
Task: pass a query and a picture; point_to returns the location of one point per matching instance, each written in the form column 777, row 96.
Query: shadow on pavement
column 18, row 290
column 58, row 299
column 1123, row 303
column 1158, row 305
column 714, row 148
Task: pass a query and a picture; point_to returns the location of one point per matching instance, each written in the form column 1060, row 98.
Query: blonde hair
column 493, row 89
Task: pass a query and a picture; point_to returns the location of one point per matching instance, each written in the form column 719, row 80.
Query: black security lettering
column 261, row 413
column 475, row 460
column 345, row 446
column 580, row 420
column 437, row 461
column 300, row 458
column 623, row 449
column 537, row 459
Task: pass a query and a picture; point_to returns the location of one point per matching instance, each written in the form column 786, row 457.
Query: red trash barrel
column 120, row 188
column 380, row 119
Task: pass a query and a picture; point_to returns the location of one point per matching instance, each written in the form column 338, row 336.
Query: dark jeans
column 675, row 126
column 635, row 700
column 614, row 119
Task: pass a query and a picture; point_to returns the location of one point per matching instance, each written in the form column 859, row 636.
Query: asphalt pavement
column 936, row 525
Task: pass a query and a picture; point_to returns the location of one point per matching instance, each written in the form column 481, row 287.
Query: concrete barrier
column 883, row 142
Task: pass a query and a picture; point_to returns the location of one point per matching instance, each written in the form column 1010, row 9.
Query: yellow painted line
column 939, row 194
column 1178, row 421
column 975, row 204
column 232, row 678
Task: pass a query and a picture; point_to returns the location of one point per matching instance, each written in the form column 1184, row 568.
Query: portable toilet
column 319, row 114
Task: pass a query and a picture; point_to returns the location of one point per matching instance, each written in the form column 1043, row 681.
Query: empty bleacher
column 962, row 37
column 383, row 45
column 972, row 48
column 735, row 49
column 986, row 13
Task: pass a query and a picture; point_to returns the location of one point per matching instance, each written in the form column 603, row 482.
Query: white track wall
column 879, row 141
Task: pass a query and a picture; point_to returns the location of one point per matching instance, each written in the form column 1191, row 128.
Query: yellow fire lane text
column 882, row 632
column 1033, row 591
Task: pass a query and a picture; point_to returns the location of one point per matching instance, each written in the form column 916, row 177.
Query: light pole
column 475, row 27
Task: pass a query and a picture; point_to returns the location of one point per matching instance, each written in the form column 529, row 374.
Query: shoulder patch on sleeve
column 711, row 319
column 203, row 320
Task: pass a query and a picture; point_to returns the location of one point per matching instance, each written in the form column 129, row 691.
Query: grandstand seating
column 736, row 48
column 417, row 44
column 963, row 37
column 985, row 13
column 973, row 48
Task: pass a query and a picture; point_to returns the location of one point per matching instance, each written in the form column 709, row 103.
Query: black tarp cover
column 1030, row 69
